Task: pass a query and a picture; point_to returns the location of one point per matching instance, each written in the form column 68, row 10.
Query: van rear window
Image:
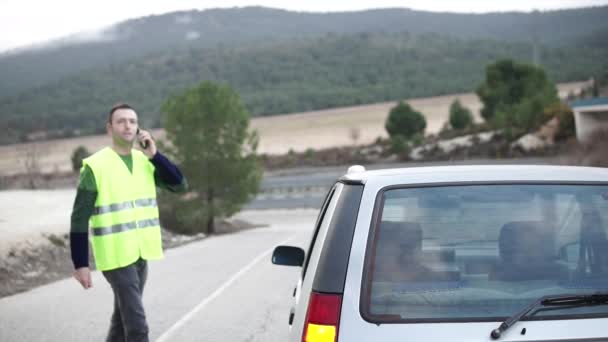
column 483, row 252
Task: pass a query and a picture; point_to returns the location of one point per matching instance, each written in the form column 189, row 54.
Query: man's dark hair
column 120, row 105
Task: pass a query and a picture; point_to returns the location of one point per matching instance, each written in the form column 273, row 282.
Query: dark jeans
column 128, row 322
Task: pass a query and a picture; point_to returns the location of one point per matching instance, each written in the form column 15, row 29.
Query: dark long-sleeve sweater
column 166, row 175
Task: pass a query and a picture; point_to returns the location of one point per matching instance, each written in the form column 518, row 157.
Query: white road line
column 166, row 336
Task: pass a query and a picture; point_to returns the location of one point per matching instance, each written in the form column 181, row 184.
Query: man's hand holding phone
column 146, row 143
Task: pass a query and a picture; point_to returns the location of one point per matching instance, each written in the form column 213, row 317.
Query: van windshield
column 482, row 252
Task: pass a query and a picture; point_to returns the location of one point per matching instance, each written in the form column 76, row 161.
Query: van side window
column 320, row 218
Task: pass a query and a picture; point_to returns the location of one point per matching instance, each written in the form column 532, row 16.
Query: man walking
column 116, row 198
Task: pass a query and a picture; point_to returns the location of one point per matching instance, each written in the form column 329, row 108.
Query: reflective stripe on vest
column 139, row 203
column 123, row 227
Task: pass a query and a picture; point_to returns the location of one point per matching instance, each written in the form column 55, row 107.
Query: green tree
column 460, row 116
column 404, row 121
column 527, row 114
column 78, row 155
column 514, row 95
column 207, row 130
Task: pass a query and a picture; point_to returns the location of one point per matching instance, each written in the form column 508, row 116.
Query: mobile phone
column 143, row 144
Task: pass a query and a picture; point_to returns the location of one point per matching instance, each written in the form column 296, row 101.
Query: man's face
column 123, row 127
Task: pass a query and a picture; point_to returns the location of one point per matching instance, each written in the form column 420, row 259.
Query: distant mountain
column 181, row 31
column 285, row 76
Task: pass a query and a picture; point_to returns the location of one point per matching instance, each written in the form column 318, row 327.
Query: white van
column 456, row 253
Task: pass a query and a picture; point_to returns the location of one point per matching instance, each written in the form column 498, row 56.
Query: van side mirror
column 288, row 256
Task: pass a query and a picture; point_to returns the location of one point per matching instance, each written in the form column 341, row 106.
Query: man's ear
column 109, row 128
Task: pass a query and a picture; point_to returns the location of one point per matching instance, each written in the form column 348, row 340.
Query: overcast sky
column 24, row 22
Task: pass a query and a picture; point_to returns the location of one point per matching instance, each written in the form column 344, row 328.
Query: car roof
column 477, row 173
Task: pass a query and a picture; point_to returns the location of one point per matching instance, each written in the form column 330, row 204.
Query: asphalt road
column 222, row 288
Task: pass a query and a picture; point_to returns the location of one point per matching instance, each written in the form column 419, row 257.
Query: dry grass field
column 278, row 134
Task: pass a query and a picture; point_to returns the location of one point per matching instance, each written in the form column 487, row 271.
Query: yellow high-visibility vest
column 124, row 224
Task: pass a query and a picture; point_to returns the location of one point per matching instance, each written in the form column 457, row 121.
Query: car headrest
column 407, row 234
column 523, row 242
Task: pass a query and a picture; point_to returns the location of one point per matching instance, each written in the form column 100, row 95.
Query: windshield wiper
column 566, row 300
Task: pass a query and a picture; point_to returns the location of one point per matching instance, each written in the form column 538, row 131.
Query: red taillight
column 322, row 318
